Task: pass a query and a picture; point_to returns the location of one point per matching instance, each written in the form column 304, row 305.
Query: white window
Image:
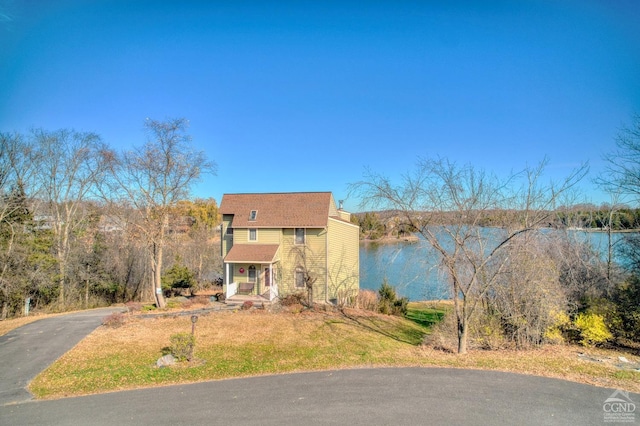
column 299, row 277
column 253, row 215
column 253, row 235
column 299, row 235
column 251, row 277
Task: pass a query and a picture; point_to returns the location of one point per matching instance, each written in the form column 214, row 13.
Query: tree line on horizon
column 376, row 225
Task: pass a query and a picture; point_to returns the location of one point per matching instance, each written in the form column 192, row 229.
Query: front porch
column 235, row 295
column 239, row 299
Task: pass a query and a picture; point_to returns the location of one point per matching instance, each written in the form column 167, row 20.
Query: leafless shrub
column 293, row 299
column 133, row 307
column 368, row 300
column 347, row 297
column 486, row 332
column 115, row 320
column 200, row 300
column 527, row 295
column 443, row 335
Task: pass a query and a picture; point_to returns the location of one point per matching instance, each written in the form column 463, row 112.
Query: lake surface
column 413, row 269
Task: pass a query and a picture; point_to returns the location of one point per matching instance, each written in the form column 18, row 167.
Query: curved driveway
column 392, row 396
column 27, row 350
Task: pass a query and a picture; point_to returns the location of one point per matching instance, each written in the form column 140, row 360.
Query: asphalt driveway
column 28, row 350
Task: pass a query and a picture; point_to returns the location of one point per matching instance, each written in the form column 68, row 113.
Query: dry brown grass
column 557, row 361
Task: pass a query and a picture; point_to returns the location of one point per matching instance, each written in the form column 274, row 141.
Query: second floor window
column 253, row 235
column 299, row 235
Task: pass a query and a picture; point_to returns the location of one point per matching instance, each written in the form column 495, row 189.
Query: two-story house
column 275, row 244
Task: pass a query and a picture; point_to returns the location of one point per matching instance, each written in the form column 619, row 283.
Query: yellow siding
column 265, row 236
column 269, row 236
column 344, row 215
column 343, row 273
column 333, row 210
column 240, row 236
column 311, row 256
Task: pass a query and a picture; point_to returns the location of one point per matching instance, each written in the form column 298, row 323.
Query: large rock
column 166, row 361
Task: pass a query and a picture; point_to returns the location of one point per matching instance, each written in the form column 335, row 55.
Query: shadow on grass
column 425, row 317
column 400, row 333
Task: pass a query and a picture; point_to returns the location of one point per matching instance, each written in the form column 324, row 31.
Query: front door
column 267, row 277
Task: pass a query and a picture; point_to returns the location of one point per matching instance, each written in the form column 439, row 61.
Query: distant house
column 275, row 244
column 43, row 222
column 111, row 223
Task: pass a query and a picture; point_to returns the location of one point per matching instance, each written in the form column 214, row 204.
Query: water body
column 412, row 268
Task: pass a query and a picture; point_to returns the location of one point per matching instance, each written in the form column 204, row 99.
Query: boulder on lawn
column 166, row 361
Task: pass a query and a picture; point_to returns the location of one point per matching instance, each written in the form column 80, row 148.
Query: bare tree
column 153, row 178
column 70, row 166
column 622, row 178
column 582, row 273
column 623, row 164
column 612, row 211
column 449, row 204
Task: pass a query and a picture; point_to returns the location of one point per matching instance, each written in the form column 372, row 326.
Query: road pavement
column 394, row 396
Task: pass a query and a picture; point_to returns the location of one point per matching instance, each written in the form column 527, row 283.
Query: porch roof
column 252, row 253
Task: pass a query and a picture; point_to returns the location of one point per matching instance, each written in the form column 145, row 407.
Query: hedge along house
column 276, row 244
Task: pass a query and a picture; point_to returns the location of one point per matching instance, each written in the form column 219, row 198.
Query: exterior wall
column 344, row 215
column 310, row 256
column 333, row 210
column 343, row 274
column 265, row 236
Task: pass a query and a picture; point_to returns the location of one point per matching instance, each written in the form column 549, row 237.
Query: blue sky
column 302, row 96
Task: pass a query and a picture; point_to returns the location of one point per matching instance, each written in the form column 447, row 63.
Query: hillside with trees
column 83, row 226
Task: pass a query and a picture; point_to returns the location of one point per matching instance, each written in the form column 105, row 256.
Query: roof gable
column 279, row 210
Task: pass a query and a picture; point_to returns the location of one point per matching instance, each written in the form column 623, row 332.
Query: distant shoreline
column 414, row 238
column 392, row 240
column 602, row 231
